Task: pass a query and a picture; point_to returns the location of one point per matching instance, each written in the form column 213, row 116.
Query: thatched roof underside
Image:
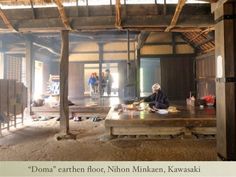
column 202, row 42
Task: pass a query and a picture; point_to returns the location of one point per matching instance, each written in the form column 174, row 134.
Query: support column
column 225, row 53
column 1, row 60
column 128, row 59
column 138, row 73
column 100, row 48
column 29, row 73
column 64, row 67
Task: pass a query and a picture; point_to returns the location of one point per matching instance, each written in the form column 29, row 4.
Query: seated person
column 158, row 100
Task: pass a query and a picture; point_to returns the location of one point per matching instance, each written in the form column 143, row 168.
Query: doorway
column 38, row 84
column 150, row 73
column 94, row 68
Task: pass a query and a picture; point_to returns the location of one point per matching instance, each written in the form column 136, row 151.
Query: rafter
column 6, row 21
column 175, row 18
column 47, row 48
column 118, row 14
column 203, row 32
column 63, row 15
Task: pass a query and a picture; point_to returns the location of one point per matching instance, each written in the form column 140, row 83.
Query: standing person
column 91, row 83
column 103, row 83
column 96, row 83
column 109, row 81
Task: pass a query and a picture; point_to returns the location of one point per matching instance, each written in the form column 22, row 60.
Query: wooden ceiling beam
column 7, row 21
column 118, row 14
column 203, row 32
column 142, row 37
column 63, row 15
column 210, row 1
column 175, row 18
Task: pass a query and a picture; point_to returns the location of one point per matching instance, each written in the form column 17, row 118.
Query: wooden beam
column 29, row 73
column 32, row 8
column 164, row 43
column 217, row 4
column 209, row 50
column 175, row 18
column 63, row 15
column 48, row 20
column 203, row 32
column 7, row 21
column 189, row 42
column 142, row 37
column 47, row 48
column 64, row 68
column 205, row 41
column 118, row 15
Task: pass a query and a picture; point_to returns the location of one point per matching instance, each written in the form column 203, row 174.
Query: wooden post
column 1, row 60
column 128, row 87
column 29, row 73
column 87, row 7
column 138, row 73
column 8, row 104
column 125, row 7
column 77, row 7
column 173, row 44
column 100, row 46
column 64, row 67
column 225, row 54
column 156, row 7
column 164, row 7
column 128, row 55
column 111, row 7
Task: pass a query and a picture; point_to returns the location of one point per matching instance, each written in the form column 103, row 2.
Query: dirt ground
column 37, row 142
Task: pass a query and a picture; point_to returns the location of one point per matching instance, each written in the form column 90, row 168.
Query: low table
column 188, row 121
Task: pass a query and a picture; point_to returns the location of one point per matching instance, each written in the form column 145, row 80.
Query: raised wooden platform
column 190, row 120
column 45, row 110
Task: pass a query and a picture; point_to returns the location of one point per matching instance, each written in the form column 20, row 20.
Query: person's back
column 91, row 82
column 109, row 81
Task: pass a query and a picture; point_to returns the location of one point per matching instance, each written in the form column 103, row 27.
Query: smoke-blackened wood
column 64, row 67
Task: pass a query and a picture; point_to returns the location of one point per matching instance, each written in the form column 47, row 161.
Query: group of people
column 157, row 100
column 106, row 83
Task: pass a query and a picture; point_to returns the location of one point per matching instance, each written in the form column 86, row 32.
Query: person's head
column 156, row 87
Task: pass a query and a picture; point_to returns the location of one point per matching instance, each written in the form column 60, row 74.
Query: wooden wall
column 160, row 43
column 205, row 74
column 177, row 76
column 89, row 51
